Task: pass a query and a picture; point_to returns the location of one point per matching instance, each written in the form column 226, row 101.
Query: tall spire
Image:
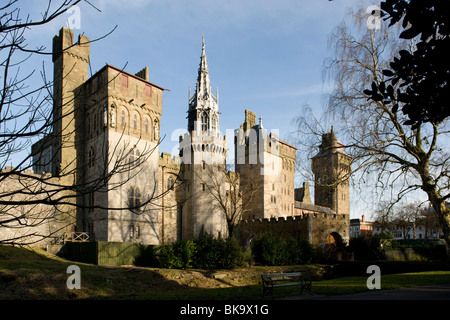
column 203, row 106
column 203, row 90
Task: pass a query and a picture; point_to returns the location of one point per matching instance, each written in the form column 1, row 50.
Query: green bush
column 208, row 252
column 168, row 258
column 205, row 252
column 371, row 247
column 271, row 250
column 232, row 254
column 146, row 256
column 307, row 252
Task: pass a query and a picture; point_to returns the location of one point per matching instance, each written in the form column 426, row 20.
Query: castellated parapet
column 324, row 229
column 196, row 147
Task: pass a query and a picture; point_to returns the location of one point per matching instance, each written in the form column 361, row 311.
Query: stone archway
column 332, row 245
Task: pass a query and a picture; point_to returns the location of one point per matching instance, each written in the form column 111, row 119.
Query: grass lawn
column 26, row 274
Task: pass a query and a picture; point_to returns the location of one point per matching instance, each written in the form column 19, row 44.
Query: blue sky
column 263, row 55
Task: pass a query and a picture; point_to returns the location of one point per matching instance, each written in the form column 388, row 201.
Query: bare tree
column 224, row 186
column 29, row 112
column 384, row 215
column 388, row 156
column 407, row 216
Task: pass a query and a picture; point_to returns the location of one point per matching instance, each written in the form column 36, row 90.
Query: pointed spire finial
column 203, row 44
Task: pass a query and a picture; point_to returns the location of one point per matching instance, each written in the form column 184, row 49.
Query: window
column 122, row 121
column 135, row 122
column 169, row 183
column 214, row 123
column 91, row 157
column 134, row 199
column 204, row 121
column 132, row 231
column 146, row 125
column 124, row 80
column 135, row 231
column 148, row 90
column 203, row 187
column 133, row 159
column 137, row 155
column 138, row 231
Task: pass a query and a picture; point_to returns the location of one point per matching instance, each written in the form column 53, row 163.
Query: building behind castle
column 105, row 142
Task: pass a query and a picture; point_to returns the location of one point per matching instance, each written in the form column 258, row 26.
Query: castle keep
column 105, row 141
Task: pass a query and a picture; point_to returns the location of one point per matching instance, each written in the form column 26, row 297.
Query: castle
column 105, row 141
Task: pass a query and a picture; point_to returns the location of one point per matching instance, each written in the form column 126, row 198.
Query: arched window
column 204, row 121
column 134, row 198
column 135, row 231
column 137, row 198
column 138, row 231
column 122, row 121
column 133, row 159
column 170, row 183
column 214, row 122
column 136, row 157
column 146, row 126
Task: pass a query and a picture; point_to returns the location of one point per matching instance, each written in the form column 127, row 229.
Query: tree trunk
column 439, row 206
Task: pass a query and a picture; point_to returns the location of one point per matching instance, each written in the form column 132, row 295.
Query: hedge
column 205, row 252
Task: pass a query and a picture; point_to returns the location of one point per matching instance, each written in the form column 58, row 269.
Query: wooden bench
column 272, row 280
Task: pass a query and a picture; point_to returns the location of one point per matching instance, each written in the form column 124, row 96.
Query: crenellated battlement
column 314, row 227
column 301, row 217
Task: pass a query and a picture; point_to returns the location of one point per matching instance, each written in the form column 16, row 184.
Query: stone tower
column 266, row 165
column 104, row 145
column 70, row 61
column 203, row 150
column 331, row 168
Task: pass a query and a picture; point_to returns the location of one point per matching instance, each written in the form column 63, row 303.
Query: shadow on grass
column 29, row 275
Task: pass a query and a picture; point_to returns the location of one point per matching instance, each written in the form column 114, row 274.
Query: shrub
column 232, row 254
column 186, row 251
column 267, row 250
column 271, row 250
column 146, row 257
column 218, row 253
column 168, row 258
column 307, row 252
column 205, row 252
